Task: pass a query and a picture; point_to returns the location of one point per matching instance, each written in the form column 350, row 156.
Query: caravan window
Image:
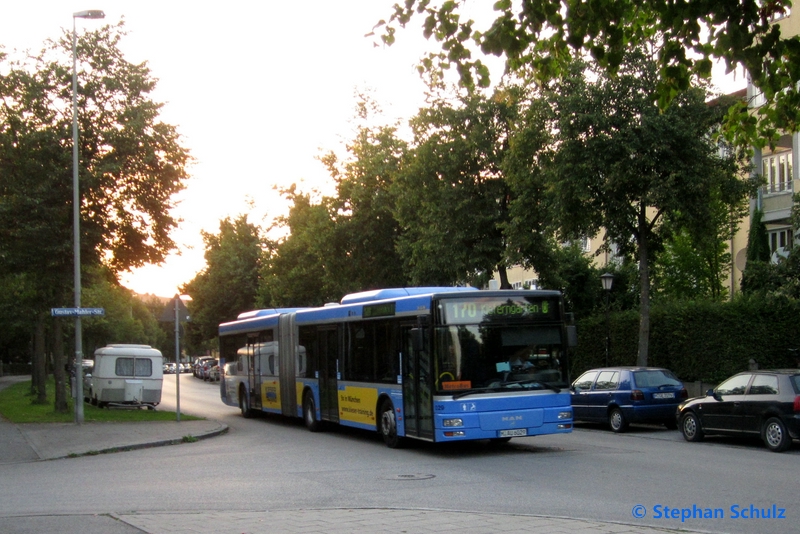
column 134, row 367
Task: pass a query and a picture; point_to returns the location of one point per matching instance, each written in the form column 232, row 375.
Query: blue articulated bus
column 435, row 364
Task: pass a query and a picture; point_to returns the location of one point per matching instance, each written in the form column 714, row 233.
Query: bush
column 706, row 341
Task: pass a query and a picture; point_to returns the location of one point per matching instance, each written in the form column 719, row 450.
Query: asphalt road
column 275, row 463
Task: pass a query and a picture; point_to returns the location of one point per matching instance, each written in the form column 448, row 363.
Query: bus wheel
column 388, row 426
column 244, row 404
column 310, row 413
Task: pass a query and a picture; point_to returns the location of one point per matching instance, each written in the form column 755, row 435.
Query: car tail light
column 683, row 394
column 797, row 404
column 637, row 395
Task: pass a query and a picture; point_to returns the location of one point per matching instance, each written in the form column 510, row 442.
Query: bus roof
column 265, row 312
column 384, row 294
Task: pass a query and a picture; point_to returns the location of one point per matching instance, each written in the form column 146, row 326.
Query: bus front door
column 417, row 393
column 328, row 379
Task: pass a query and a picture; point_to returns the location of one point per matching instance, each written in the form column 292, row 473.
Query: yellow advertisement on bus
column 271, row 395
column 357, row 404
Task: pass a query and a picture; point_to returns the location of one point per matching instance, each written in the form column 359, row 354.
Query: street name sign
column 75, row 312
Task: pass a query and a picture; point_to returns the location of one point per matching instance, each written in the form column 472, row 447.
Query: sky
column 257, row 90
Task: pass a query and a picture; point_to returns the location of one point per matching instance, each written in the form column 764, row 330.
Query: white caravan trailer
column 129, row 375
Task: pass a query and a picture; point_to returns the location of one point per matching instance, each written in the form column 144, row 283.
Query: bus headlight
column 565, row 415
column 453, row 422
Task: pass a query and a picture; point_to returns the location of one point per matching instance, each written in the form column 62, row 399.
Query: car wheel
column 775, row 436
column 310, row 413
column 690, row 427
column 388, row 426
column 616, row 420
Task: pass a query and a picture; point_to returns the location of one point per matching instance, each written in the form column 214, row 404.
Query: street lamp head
column 90, row 14
column 607, row 279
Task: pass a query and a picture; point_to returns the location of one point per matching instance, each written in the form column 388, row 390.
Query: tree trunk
column 59, row 373
column 644, row 289
column 503, row 274
column 39, row 364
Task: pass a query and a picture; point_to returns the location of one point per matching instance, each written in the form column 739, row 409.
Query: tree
column 543, row 38
column 696, row 260
column 451, row 193
column 295, row 267
column 131, row 166
column 765, row 279
column 757, row 239
column 345, row 243
column 623, row 165
column 365, row 229
column 229, row 283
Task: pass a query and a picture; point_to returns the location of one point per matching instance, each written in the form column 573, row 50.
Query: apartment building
column 776, row 166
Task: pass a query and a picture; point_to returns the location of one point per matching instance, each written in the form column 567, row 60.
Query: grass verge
column 18, row 406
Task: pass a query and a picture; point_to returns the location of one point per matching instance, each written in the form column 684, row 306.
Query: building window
column 777, row 171
column 780, row 240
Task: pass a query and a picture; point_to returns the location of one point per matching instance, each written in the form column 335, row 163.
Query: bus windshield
column 475, row 357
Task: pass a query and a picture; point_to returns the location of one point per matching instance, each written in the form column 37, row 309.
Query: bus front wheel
column 310, row 413
column 388, row 426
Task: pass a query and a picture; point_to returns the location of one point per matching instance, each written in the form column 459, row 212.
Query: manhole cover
column 417, row 476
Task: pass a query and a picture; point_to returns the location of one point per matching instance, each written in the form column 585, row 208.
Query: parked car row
column 170, row 368
column 207, row 368
column 762, row 403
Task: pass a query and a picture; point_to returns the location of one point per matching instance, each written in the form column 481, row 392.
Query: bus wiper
column 552, row 386
column 526, row 382
column 476, row 390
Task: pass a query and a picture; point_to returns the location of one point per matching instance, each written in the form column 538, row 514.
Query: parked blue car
column 624, row 395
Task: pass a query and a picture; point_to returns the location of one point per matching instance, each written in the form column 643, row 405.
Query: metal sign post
column 178, row 313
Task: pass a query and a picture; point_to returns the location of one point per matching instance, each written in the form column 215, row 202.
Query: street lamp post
column 76, row 213
column 607, row 280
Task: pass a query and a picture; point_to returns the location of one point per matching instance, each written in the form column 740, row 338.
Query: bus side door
column 328, row 373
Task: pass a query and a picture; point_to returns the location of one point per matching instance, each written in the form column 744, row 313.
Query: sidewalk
column 50, row 441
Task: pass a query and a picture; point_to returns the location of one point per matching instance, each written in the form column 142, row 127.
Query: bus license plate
column 663, row 395
column 514, row 433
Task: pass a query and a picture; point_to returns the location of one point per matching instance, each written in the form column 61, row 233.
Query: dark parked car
column 756, row 403
column 623, row 395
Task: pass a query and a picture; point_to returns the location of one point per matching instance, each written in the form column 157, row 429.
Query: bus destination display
column 463, row 311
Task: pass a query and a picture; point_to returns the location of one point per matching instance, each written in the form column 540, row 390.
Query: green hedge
column 705, row 341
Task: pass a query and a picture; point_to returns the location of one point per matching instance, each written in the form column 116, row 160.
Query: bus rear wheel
column 388, row 426
column 310, row 413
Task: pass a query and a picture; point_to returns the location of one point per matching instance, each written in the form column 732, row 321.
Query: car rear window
column 796, row 383
column 655, row 378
